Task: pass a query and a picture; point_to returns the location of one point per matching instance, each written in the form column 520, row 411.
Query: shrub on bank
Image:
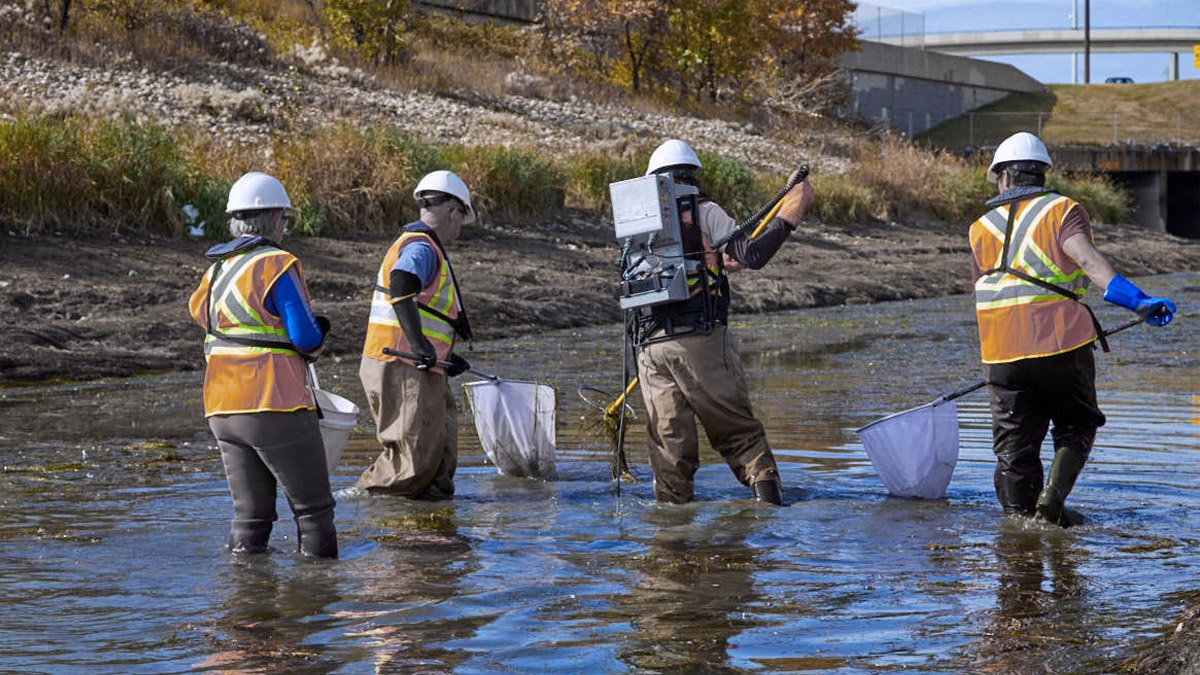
column 348, row 179
column 92, row 174
column 1104, row 202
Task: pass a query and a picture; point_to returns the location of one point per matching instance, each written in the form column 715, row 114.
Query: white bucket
column 339, row 415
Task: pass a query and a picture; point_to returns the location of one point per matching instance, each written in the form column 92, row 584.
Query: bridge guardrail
column 981, row 129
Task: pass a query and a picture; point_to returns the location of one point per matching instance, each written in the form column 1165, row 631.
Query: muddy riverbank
column 89, row 306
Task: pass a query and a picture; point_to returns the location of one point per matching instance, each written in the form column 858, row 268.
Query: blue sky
column 944, row 16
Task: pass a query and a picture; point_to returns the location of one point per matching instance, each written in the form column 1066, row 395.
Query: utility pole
column 1087, row 41
column 1074, row 55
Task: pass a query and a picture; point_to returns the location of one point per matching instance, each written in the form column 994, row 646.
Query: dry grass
column 1089, row 115
column 60, row 167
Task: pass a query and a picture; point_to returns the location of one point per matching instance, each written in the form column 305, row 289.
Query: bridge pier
column 1165, row 201
column 1163, row 182
column 1183, row 204
column 1173, row 67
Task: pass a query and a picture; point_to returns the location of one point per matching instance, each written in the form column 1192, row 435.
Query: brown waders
column 1026, row 396
column 700, row 376
column 416, row 422
column 262, row 450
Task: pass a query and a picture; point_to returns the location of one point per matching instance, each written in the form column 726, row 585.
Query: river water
column 114, row 514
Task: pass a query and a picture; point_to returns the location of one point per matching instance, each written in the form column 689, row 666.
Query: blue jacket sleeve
column 286, row 301
column 419, row 260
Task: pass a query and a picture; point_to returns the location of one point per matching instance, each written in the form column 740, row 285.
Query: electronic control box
column 646, row 218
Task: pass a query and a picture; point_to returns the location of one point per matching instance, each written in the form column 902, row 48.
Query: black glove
column 458, row 366
column 323, row 324
column 424, row 362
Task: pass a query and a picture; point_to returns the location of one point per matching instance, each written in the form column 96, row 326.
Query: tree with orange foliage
column 743, row 48
column 619, row 38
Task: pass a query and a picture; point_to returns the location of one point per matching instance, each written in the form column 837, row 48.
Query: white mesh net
column 516, row 425
column 915, row 451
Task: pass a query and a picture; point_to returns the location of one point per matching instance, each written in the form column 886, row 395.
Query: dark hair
column 683, row 173
column 1026, row 173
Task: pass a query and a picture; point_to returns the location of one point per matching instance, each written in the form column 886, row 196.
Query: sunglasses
column 430, row 202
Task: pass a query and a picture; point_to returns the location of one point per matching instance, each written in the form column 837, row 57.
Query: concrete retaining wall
column 914, row 89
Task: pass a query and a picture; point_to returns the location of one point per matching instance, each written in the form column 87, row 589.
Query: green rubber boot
column 1065, row 468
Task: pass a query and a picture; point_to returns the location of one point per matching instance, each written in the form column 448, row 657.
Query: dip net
column 516, row 422
column 915, row 451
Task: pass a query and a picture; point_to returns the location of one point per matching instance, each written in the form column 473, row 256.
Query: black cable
column 801, row 174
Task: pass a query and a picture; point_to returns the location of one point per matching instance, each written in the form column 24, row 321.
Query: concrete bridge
column 1164, row 181
column 1063, row 41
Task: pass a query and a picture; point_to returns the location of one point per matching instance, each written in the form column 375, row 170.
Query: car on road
column 1118, row 80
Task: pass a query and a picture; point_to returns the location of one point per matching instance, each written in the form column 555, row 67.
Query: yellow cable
column 612, row 409
column 766, row 219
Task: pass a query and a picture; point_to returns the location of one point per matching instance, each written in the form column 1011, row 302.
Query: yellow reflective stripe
column 255, row 331
column 443, row 297
column 1021, row 300
column 994, row 222
column 1034, row 216
column 1009, row 290
column 234, row 305
column 434, row 328
column 216, row 346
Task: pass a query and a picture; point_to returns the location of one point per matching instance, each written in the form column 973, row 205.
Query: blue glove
column 1156, row 311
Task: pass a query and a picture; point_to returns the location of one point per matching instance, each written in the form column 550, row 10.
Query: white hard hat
column 451, row 184
column 256, row 191
column 1020, row 147
column 672, row 153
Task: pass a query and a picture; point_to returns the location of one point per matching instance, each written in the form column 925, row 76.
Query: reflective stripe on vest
column 252, row 364
column 1017, row 318
column 383, row 328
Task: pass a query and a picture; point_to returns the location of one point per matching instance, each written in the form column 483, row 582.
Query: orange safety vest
column 252, row 364
column 438, row 304
column 1018, row 318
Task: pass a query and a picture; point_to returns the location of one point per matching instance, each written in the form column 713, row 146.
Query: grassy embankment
column 99, row 173
column 1089, row 115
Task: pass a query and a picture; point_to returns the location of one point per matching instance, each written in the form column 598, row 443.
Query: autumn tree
column 373, row 28
column 704, row 48
column 754, row 47
column 708, row 46
column 619, row 38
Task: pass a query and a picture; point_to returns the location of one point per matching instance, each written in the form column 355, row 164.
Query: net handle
column 444, row 364
column 979, row 385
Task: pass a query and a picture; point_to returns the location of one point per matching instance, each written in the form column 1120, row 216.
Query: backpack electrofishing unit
column 655, row 221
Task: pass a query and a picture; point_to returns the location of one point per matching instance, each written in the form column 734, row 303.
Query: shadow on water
column 114, row 512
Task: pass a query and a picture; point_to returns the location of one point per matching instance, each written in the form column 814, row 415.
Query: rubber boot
column 1068, row 462
column 249, row 536
column 318, row 538
column 768, row 491
column 1018, row 494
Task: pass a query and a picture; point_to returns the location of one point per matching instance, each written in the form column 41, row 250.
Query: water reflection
column 112, row 504
column 1038, row 623
column 691, row 592
column 405, row 615
column 267, row 613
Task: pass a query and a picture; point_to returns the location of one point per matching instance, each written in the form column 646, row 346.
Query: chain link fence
column 876, row 22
